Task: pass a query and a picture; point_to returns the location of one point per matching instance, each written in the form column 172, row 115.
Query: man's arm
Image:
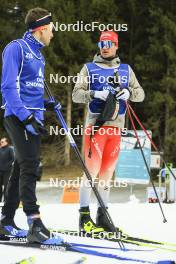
column 80, row 92
column 137, row 93
column 12, row 59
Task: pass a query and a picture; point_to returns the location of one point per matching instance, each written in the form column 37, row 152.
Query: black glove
column 34, row 126
column 50, row 105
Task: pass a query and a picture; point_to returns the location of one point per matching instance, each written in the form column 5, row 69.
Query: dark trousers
column 4, row 177
column 22, row 183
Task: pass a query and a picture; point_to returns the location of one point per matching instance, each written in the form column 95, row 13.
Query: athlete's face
column 46, row 34
column 108, row 52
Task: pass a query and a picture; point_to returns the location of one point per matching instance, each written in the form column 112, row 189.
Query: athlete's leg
column 6, row 176
column 11, row 198
column 93, row 163
column 109, row 160
column 27, row 154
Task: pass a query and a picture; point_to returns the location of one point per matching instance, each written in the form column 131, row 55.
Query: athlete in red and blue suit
column 93, row 88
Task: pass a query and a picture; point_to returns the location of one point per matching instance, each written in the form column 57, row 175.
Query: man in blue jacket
column 23, row 91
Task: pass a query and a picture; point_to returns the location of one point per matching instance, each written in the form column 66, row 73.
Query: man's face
column 47, row 34
column 108, row 52
column 3, row 142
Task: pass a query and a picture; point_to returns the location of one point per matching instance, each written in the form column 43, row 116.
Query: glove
column 34, row 126
column 50, row 105
column 102, row 95
column 114, row 81
column 124, row 94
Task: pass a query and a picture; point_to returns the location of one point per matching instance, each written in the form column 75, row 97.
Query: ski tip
column 31, row 260
column 166, row 262
column 83, row 259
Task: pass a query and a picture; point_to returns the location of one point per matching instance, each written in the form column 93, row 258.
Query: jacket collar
column 114, row 62
column 32, row 41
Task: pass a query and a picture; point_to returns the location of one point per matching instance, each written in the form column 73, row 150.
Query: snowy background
column 133, row 216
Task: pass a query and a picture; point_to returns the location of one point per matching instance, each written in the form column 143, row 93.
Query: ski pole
column 77, row 152
column 149, row 137
column 148, row 170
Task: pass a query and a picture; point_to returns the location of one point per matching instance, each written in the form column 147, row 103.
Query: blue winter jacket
column 22, row 82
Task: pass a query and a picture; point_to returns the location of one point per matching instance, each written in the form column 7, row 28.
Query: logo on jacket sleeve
column 29, row 55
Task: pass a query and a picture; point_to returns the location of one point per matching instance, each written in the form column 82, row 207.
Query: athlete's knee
column 29, row 167
column 87, row 182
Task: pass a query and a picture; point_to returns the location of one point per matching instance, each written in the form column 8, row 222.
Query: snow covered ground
column 136, row 219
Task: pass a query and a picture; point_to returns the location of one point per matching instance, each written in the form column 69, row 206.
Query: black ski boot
column 37, row 231
column 9, row 228
column 86, row 224
column 104, row 223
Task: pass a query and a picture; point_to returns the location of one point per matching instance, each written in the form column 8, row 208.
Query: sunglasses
column 105, row 44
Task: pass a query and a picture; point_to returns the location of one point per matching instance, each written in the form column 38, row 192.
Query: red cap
column 109, row 35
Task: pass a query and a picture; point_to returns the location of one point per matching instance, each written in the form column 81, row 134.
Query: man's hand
column 34, row 126
column 50, row 105
column 124, row 94
column 101, row 94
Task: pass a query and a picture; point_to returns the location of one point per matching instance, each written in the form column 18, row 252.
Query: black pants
column 22, row 183
column 4, row 177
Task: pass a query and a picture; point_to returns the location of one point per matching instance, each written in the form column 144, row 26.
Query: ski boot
column 9, row 228
column 102, row 221
column 86, row 225
column 38, row 233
